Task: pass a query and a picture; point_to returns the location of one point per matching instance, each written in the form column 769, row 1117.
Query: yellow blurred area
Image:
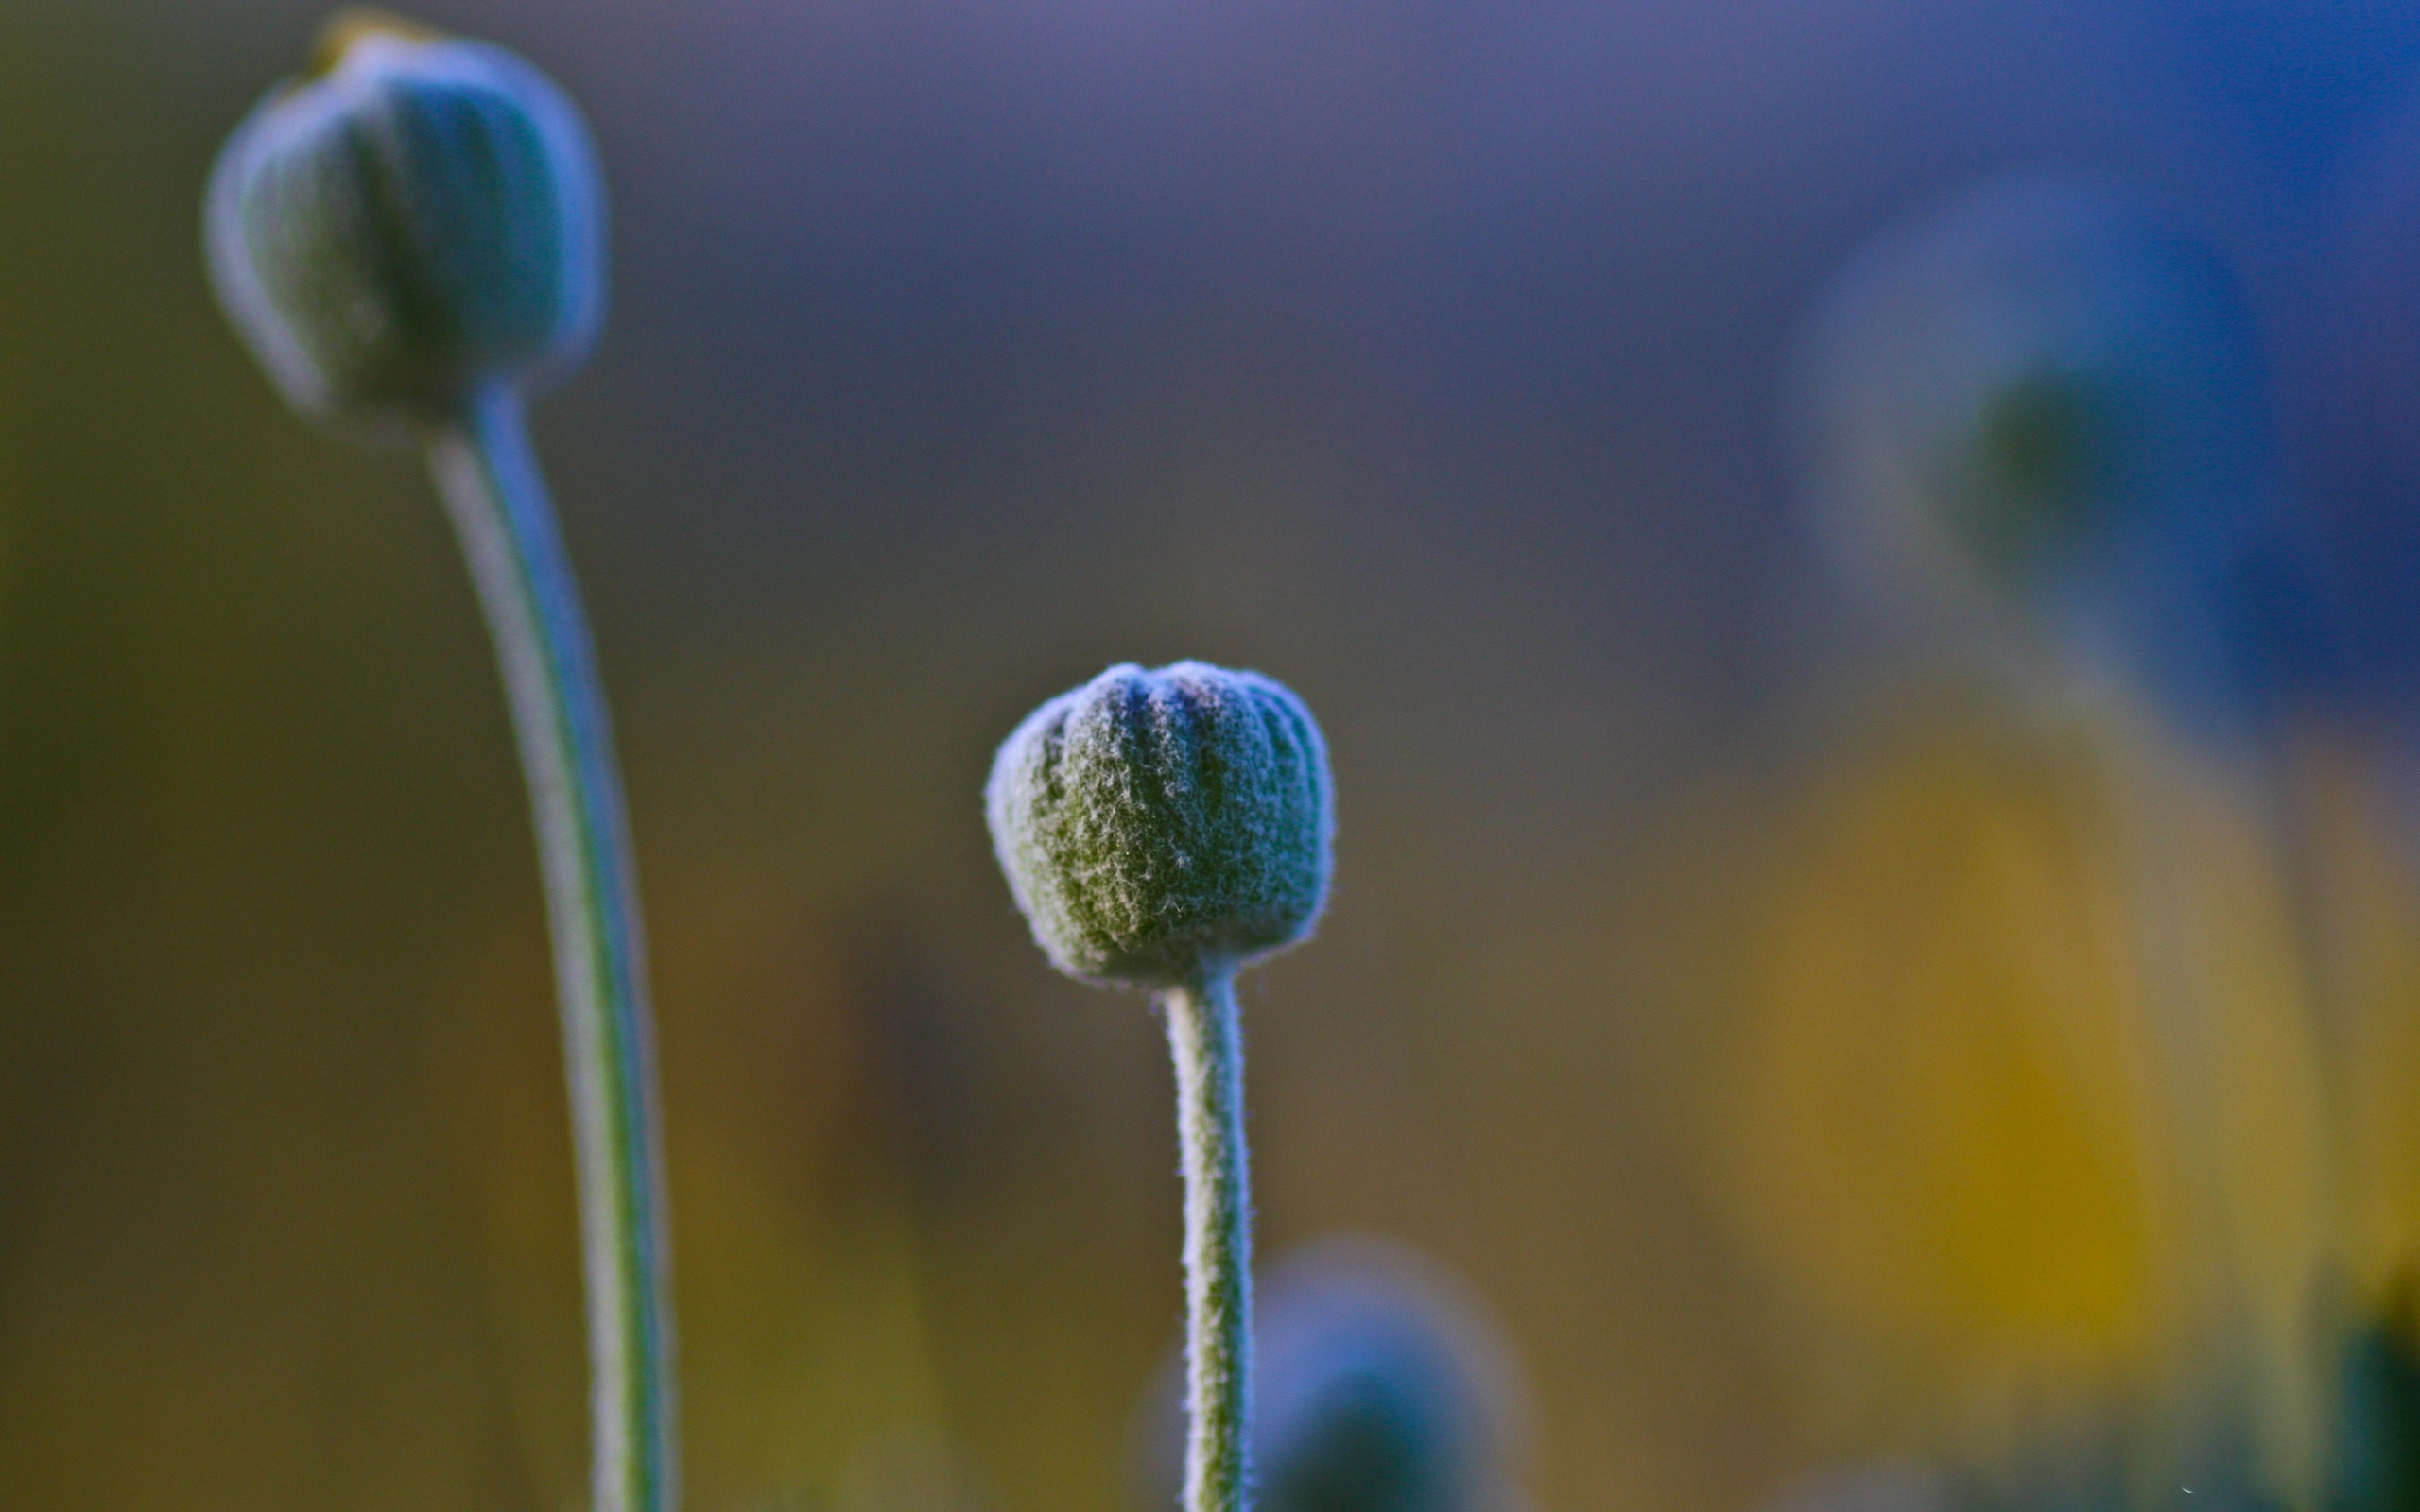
column 2365, row 899
column 2027, row 1112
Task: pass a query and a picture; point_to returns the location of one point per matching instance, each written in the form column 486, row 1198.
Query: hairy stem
column 1206, row 1034
column 497, row 498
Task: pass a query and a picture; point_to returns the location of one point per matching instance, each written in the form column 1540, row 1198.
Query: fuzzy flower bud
column 1158, row 826
column 420, row 218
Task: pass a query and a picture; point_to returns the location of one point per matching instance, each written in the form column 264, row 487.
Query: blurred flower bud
column 1382, row 1389
column 2377, row 1460
column 2035, row 393
column 420, row 217
column 1157, row 826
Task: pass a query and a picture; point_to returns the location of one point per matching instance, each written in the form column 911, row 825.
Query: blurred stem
column 1206, row 1034
column 497, row 498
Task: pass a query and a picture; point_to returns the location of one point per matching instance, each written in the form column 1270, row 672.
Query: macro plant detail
column 410, row 239
column 1989, row 1091
column 1164, row 830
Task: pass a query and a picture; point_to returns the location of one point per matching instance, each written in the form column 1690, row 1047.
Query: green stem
column 1205, row 1032
column 497, row 498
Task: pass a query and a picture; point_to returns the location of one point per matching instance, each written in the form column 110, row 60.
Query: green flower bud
column 420, row 218
column 1160, row 826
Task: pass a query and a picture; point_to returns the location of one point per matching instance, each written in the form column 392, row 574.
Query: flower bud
column 420, row 218
column 2035, row 393
column 1383, row 1388
column 1160, row 826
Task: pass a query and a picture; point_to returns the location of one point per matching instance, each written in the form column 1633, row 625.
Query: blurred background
column 1764, row 1009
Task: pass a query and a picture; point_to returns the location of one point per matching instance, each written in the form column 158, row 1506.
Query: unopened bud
column 1158, row 826
column 419, row 219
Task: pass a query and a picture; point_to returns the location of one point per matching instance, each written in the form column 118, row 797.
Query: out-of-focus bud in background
column 2034, row 1114
column 2034, row 416
column 1383, row 1388
column 421, row 218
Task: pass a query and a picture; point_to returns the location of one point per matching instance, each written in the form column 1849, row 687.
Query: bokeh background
column 1427, row 355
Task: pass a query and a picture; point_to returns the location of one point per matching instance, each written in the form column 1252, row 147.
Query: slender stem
column 1205, row 1032
column 497, row 498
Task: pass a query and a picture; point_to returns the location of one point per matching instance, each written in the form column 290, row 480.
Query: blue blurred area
column 1515, row 275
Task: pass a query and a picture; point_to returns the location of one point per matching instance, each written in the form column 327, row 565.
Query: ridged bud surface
column 1155, row 826
column 422, row 217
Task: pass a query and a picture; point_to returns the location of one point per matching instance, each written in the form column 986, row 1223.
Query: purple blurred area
column 1424, row 355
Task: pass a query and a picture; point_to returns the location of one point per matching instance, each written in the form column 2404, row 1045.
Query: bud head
column 1157, row 826
column 420, row 218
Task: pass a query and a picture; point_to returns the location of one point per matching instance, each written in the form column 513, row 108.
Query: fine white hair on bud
column 420, row 219
column 1158, row 827
column 2037, row 394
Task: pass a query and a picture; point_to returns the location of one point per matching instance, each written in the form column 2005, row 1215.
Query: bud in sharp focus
column 420, row 218
column 1158, row 826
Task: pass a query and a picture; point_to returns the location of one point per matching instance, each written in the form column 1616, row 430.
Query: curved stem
column 497, row 498
column 1205, row 1032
